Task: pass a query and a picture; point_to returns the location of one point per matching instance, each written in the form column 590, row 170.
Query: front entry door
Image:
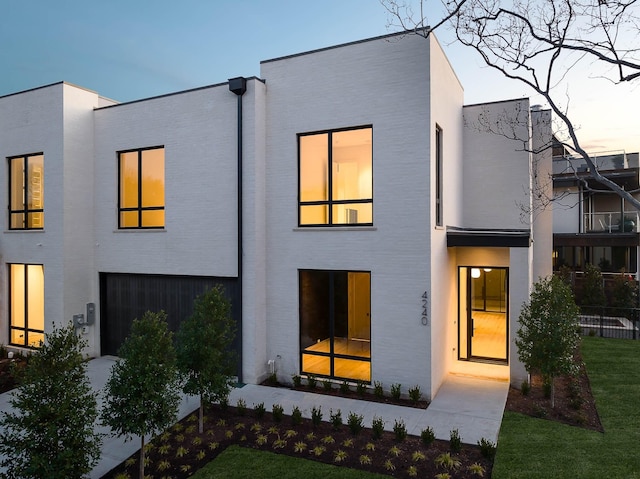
column 483, row 314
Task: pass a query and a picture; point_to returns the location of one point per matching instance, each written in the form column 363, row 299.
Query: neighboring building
column 591, row 223
column 363, row 222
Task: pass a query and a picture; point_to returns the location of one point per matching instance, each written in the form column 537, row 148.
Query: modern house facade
column 365, row 223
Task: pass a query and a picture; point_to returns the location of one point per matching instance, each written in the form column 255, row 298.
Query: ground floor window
column 26, row 304
column 335, row 324
column 610, row 259
column 483, row 314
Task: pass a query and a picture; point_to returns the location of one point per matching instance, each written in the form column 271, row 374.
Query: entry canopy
column 510, row 238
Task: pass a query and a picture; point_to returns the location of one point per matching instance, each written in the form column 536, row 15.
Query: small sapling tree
column 593, row 298
column 50, row 432
column 142, row 392
column 548, row 334
column 205, row 360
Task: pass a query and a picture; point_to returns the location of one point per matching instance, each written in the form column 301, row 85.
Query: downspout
column 238, row 86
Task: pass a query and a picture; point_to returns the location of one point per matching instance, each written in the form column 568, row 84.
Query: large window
column 26, row 304
column 335, row 324
column 141, row 188
column 335, row 178
column 439, row 179
column 26, row 192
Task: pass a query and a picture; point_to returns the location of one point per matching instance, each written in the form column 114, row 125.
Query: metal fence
column 620, row 323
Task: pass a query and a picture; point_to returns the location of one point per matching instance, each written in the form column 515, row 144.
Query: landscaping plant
column 142, row 392
column 51, row 433
column 205, row 359
column 548, row 333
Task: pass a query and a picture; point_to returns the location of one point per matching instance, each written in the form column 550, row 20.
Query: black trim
column 139, row 208
column 329, row 203
column 596, row 239
column 488, row 238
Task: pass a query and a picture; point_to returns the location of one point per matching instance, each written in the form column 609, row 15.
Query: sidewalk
column 473, row 406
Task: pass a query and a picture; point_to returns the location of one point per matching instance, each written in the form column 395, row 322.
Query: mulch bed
column 339, row 446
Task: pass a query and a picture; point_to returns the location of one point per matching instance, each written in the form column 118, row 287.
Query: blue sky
column 132, row 49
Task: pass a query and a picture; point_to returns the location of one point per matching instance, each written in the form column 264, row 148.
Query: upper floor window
column 439, row 177
column 335, row 177
column 26, row 192
column 141, row 188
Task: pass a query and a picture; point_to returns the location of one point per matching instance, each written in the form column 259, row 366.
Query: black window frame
column 139, row 209
column 25, row 210
column 330, row 202
column 26, row 329
column 439, row 203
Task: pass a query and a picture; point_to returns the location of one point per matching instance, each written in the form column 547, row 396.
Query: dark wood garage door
column 125, row 297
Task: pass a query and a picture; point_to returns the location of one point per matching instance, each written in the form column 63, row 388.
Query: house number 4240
column 425, row 305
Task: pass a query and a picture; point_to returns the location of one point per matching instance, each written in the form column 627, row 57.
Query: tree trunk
column 553, row 392
column 142, row 457
column 201, row 415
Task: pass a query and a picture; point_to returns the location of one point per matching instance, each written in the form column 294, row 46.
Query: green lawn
column 239, row 463
column 536, row 448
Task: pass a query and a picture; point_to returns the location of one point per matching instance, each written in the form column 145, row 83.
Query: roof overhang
column 492, row 238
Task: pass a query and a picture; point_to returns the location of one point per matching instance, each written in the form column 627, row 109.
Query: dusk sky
column 132, row 49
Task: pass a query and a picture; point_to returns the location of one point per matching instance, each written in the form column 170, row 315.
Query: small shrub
column 256, row 427
column 241, row 407
column 272, row 380
column 377, row 427
column 378, row 391
column 389, row 466
column 396, row 391
column 259, row 410
column 277, row 412
column 455, row 443
column 279, row 443
column 415, row 394
column 214, row 445
column 394, row 451
column 290, row 433
column 181, row 452
column 340, row 456
column 312, row 382
column 476, row 469
column 487, row 448
column 297, row 381
column 318, row 450
column 261, row 439
column 273, row 430
column 361, row 388
column 447, row 461
column 335, row 418
column 348, row 442
column 224, row 403
column 327, row 440
column 418, row 456
column 316, row 415
column 365, row 460
column 370, row 447
column 310, row 436
column 326, row 385
column 400, row 430
column 300, row 447
column 296, row 416
column 427, row 436
column 344, row 387
column 412, row 471
column 443, row 475
column 576, row 403
column 355, row 423
column 539, row 411
column 525, row 388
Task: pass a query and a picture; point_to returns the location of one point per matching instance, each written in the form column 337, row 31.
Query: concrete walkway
column 473, row 406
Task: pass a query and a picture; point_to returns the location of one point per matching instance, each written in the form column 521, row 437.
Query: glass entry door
column 483, row 313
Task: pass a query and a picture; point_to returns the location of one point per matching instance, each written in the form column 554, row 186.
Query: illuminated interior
column 142, row 188
column 335, row 324
column 26, row 298
column 26, row 192
column 336, row 181
column 483, row 313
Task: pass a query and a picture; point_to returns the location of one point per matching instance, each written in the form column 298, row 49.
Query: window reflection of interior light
column 475, row 272
column 487, row 270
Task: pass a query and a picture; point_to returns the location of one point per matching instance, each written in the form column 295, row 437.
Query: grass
column 239, row 463
column 535, row 448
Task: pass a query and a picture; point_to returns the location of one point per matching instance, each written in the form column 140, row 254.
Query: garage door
column 125, row 297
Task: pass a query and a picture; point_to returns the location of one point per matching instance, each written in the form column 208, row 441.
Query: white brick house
column 363, row 224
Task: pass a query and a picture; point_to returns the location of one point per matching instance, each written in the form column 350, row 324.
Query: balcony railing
column 603, row 161
column 611, row 222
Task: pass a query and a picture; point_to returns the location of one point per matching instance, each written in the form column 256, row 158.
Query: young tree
column 624, row 295
column 205, row 360
column 548, row 334
column 51, row 433
column 540, row 43
column 142, row 393
column 593, row 298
